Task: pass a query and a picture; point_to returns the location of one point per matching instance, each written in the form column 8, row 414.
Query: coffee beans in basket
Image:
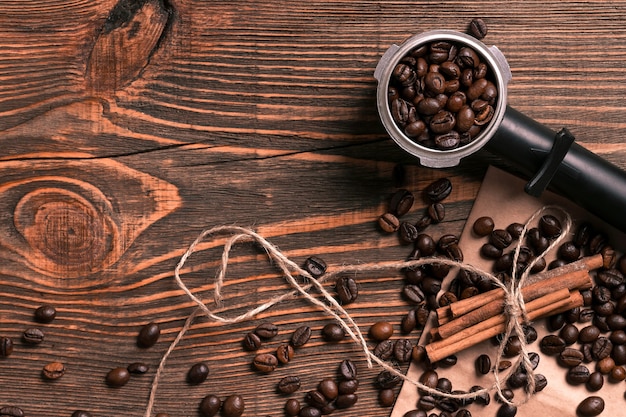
column 441, row 94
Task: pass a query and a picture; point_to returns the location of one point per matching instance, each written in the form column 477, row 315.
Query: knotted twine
column 514, row 307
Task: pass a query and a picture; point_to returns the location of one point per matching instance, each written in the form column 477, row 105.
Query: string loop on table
column 514, row 303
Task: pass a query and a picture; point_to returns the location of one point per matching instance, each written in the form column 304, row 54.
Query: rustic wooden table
column 128, row 127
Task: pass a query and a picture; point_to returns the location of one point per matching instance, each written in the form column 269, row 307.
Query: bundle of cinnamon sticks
column 467, row 322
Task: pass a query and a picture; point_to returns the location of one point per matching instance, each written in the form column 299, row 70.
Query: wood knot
column 82, row 222
column 126, row 42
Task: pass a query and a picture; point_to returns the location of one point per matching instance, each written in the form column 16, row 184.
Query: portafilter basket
column 546, row 158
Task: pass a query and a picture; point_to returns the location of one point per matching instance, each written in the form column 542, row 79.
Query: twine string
column 514, row 309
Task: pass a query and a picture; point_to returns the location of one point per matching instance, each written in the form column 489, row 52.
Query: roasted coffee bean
column 590, row 406
column 610, row 278
column 482, row 397
column 388, row 222
column 300, row 336
column 264, row 363
column 568, row 251
column 601, row 348
column 429, row 378
column 555, row 322
column 506, row 410
column 347, row 289
column 386, row 397
column 209, row 406
column 118, row 377
column 347, row 369
column 616, row 322
column 418, row 355
column 601, row 294
column 384, row 349
column 587, row 314
column 513, row 346
column 464, row 412
column 138, row 368
column 595, row 381
column 570, row 357
column 251, row 342
column 381, row 330
column 504, row 365
column 437, row 212
column 550, row 226
column 618, row 337
column 407, row 233
column 537, row 240
column 447, row 405
column 572, row 315
column 605, row 365
column 401, row 202
column 540, row 382
column 33, row 336
column 423, row 223
column 292, row 407
column 489, row 251
column 348, row 386
column 447, row 298
column 266, row 330
column 504, row 394
column 578, row 375
column 233, row 406
column 346, row 401
column 414, row 294
column 284, row 353
column 517, row 379
column 45, row 313
column 500, row 238
column 288, row 384
column 618, row 373
column 329, row 388
column 426, row 403
column 600, row 322
column 55, row 370
column 402, row 350
column 11, row 411
column 483, row 364
column 386, row 379
column 315, row 266
column 618, row 354
column 198, row 373
column 6, row 346
column 438, row 190
column 148, row 335
column 333, row 332
column 515, row 230
column 77, row 413
column 447, row 362
column 483, row 226
column 408, row 323
column 430, row 285
column 569, row 333
column 425, row 244
column 478, row 28
column 310, row 411
column 530, row 334
column 552, row 345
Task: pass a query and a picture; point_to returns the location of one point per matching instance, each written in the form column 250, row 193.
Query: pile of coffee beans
column 442, row 94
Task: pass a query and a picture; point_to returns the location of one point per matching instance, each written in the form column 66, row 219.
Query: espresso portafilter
column 548, row 159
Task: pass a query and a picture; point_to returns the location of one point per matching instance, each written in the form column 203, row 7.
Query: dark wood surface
column 128, row 127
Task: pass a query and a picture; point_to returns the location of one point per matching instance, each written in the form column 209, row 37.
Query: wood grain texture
column 128, row 127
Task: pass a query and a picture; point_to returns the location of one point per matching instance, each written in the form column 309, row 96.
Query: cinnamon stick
column 570, row 281
column 552, row 276
column 561, row 300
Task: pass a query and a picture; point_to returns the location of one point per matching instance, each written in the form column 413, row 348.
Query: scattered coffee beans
column 233, row 406
column 381, row 330
column 265, row 363
column 478, row 28
column 11, row 411
column 53, row 370
column 315, row 266
column 300, row 336
column 266, row 330
column 148, row 335
column 118, row 377
column 81, row 413
column 591, row 406
column 138, row 368
column 288, row 385
column 198, row 373
column 333, row 332
column 347, row 289
column 6, row 346
column 210, row 406
column 33, row 336
column 45, row 313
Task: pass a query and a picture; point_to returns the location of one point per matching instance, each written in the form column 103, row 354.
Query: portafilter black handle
column 568, row 168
